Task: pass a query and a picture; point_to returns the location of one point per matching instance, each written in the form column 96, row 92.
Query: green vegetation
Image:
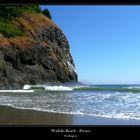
column 47, row 13
column 8, row 29
column 8, row 12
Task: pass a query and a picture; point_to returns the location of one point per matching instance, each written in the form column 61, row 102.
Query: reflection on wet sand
column 12, row 116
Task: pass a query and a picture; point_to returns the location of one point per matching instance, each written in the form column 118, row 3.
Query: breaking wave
column 81, row 88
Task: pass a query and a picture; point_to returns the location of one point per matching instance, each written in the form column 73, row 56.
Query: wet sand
column 13, row 116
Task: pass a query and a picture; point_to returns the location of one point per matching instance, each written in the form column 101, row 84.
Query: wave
column 133, row 87
column 47, row 88
column 125, row 89
column 109, row 105
column 17, row 90
column 81, row 88
column 81, row 113
column 55, row 88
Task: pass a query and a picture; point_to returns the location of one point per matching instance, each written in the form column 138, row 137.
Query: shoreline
column 14, row 116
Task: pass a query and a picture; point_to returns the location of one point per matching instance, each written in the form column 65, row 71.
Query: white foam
column 111, row 116
column 104, row 115
column 76, row 87
column 17, row 90
column 26, row 87
column 117, row 116
column 49, row 88
column 133, row 87
column 58, row 88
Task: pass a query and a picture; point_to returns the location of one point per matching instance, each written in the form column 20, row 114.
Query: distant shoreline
column 13, row 116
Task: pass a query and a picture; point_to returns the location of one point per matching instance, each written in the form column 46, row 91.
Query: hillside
column 38, row 55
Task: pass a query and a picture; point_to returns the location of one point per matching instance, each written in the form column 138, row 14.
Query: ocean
column 109, row 101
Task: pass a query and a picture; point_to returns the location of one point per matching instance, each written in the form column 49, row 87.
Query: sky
column 104, row 41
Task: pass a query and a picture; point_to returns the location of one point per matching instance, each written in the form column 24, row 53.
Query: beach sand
column 13, row 116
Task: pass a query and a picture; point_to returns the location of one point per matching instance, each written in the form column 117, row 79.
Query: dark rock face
column 42, row 56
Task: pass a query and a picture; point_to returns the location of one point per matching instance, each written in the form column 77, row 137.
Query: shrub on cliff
column 47, row 13
column 8, row 29
column 8, row 11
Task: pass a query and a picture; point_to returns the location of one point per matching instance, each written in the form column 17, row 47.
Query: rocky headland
column 41, row 55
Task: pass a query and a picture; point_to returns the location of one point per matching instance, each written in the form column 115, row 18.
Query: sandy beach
column 13, row 116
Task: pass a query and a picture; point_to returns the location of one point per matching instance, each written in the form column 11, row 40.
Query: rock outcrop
column 40, row 56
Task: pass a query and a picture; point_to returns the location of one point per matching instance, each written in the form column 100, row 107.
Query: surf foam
column 48, row 88
column 17, row 90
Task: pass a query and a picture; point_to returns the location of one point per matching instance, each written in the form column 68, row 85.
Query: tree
column 47, row 13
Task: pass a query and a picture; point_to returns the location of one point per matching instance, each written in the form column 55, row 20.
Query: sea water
column 110, row 101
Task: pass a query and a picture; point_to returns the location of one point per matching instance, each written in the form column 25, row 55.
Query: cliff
column 40, row 56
